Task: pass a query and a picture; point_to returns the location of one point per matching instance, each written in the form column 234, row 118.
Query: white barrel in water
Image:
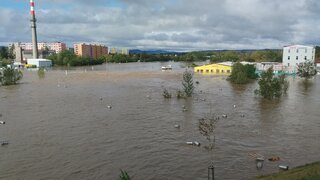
column 284, row 167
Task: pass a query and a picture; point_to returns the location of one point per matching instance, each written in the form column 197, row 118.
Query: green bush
column 242, row 74
column 271, row 86
column 187, row 83
column 124, row 175
column 10, row 76
column 307, row 70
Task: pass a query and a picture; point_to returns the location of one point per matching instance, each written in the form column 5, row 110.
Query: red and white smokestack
column 34, row 31
column 32, row 8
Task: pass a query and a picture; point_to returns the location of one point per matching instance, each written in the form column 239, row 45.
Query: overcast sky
column 166, row 24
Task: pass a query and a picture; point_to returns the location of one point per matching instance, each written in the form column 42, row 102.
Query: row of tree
column 68, row 58
column 270, row 85
column 213, row 56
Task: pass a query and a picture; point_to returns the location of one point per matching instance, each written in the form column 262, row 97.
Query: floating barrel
column 259, row 164
column 284, row 167
column 196, row 143
column 259, row 159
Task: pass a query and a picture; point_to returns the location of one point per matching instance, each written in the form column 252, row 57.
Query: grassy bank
column 307, row 172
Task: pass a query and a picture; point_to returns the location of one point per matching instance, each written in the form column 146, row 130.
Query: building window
column 288, row 57
column 207, row 70
column 222, row 71
column 305, row 50
column 211, row 71
column 198, row 70
column 288, row 50
column 297, row 50
column 305, row 58
column 228, row 71
column 288, row 64
column 297, row 57
column 217, row 71
column 201, row 70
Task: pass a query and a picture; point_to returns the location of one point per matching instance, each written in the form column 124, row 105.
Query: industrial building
column 93, row 51
column 219, row 68
column 40, row 63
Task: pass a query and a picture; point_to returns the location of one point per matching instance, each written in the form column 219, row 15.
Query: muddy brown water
column 60, row 126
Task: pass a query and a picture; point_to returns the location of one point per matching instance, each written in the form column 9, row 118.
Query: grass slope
column 307, row 172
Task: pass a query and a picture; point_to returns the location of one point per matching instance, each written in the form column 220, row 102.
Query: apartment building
column 93, row 51
column 57, row 47
column 296, row 54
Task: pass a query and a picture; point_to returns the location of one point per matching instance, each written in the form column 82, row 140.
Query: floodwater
column 60, row 127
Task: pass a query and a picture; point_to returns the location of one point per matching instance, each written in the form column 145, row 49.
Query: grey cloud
column 178, row 24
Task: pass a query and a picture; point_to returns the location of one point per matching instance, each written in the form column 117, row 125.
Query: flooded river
column 60, row 126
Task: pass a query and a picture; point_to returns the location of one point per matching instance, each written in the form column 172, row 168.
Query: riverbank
column 306, row 172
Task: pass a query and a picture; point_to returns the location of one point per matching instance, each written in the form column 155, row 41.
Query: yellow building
column 88, row 50
column 219, row 68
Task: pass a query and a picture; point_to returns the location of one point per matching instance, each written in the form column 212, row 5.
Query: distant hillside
column 138, row 51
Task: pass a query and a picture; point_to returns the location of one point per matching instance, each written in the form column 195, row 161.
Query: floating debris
column 109, row 107
column 274, row 158
column 284, row 167
column 224, row 116
column 101, row 99
column 184, row 110
column 197, row 82
column 3, row 143
column 2, row 122
column 177, row 126
column 196, row 143
column 242, row 115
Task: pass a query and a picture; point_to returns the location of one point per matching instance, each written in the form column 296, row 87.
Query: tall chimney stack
column 34, row 30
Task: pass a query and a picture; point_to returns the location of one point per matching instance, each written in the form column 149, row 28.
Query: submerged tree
column 10, row 76
column 166, row 94
column 207, row 127
column 307, row 70
column 124, row 175
column 187, row 83
column 242, row 74
column 41, row 73
column 271, row 86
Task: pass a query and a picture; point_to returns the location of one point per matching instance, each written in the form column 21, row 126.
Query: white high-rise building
column 296, row 54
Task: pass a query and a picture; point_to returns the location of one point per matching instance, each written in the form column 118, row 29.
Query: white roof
column 297, row 46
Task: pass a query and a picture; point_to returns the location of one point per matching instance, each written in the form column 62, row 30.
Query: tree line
column 67, row 57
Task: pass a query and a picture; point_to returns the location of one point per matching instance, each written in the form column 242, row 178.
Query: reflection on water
column 60, row 127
